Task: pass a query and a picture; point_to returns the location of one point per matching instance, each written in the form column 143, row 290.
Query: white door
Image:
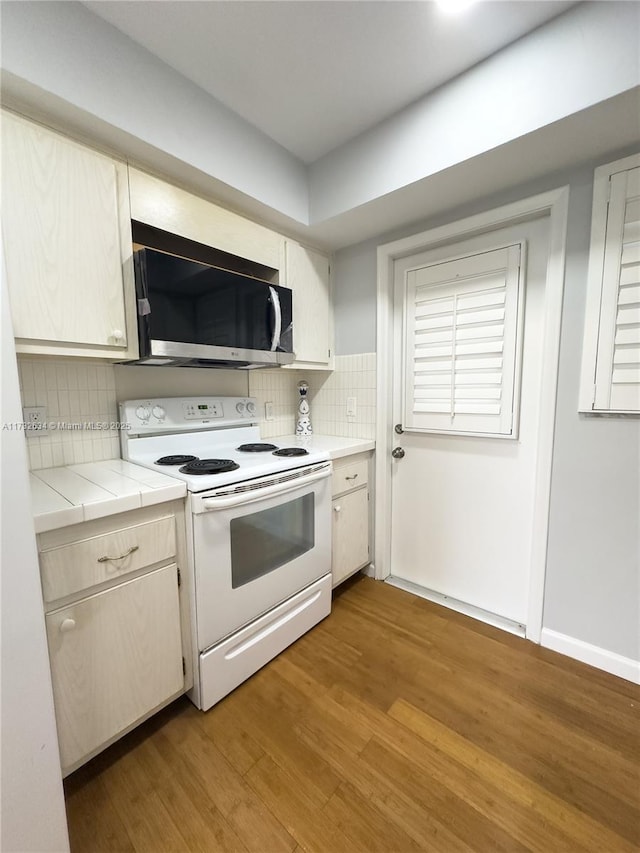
column 463, row 493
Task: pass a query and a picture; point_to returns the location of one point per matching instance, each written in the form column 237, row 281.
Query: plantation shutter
column 461, row 344
column 617, row 378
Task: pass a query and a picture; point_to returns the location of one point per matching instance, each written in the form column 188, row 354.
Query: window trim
column 597, row 245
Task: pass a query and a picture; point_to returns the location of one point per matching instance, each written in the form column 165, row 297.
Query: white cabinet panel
column 115, row 656
column 157, row 203
column 307, row 274
column 351, row 512
column 350, row 545
column 67, row 240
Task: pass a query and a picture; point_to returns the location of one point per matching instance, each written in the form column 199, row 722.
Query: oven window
column 266, row 540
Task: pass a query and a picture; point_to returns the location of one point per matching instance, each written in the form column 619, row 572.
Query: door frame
column 555, row 205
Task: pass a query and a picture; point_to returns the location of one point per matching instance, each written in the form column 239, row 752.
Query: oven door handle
column 242, row 498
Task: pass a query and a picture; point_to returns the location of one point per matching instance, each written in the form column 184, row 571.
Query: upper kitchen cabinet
column 67, row 245
column 161, row 205
column 308, row 277
column 611, row 348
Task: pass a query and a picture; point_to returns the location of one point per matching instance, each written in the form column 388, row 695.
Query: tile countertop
column 336, row 446
column 74, row 493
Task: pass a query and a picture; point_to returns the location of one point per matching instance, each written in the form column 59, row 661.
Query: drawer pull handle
column 67, row 625
column 353, row 477
column 121, row 557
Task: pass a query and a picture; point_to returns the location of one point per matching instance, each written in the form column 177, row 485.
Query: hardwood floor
column 393, row 726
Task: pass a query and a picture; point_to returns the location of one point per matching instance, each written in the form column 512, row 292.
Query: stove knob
column 159, row 413
column 143, row 413
column 251, row 407
column 240, row 408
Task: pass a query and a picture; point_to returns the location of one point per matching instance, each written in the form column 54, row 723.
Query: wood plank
column 94, row 823
column 301, row 816
column 201, row 824
column 252, row 822
column 495, row 719
column 365, row 825
column 140, row 808
column 581, row 831
column 394, row 725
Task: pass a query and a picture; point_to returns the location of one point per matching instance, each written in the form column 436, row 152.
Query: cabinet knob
column 117, row 334
column 67, row 625
column 337, row 508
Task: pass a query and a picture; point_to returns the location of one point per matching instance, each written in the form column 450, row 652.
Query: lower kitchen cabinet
column 350, row 510
column 117, row 623
column 114, row 656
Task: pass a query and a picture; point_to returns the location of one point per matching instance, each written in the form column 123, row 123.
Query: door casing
column 554, row 204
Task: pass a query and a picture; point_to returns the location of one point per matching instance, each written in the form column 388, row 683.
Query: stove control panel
column 171, row 413
column 198, row 409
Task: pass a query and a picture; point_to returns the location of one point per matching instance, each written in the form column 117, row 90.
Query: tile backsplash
column 353, row 376
column 82, row 411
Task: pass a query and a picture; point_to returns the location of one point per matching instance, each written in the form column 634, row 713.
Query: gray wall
column 592, row 581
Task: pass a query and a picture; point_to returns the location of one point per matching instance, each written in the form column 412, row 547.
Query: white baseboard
column 623, row 667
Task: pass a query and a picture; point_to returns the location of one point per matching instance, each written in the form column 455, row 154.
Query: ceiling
column 313, row 74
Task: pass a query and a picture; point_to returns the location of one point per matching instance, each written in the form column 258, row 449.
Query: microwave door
column 143, row 305
column 194, row 314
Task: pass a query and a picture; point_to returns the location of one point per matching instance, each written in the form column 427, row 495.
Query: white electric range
column 258, row 530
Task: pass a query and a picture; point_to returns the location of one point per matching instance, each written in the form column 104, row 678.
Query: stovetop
column 180, row 435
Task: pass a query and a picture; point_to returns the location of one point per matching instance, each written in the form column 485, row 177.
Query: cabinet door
column 307, row 274
column 157, row 203
column 65, row 226
column 115, row 656
column 350, row 545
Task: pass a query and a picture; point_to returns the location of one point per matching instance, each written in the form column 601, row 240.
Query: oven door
column 256, row 547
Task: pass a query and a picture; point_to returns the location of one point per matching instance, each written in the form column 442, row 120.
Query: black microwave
column 193, row 314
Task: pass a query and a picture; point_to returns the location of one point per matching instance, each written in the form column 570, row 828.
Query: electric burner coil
column 209, row 466
column 176, row 459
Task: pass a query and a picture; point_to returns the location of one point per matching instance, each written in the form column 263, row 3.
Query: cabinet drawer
column 349, row 476
column 83, row 564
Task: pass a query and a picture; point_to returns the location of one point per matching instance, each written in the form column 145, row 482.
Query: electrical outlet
column 351, row 408
column 35, row 418
column 268, row 411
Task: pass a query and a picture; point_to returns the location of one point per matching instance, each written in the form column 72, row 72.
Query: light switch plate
column 268, row 411
column 351, row 407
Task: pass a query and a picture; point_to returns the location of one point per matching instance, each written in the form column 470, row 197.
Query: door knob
column 67, row 625
column 397, row 453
